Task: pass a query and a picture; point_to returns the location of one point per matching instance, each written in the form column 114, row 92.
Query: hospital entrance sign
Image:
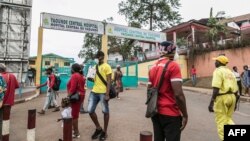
column 66, row 23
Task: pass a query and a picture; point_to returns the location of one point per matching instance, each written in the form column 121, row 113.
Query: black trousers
column 166, row 128
column 240, row 87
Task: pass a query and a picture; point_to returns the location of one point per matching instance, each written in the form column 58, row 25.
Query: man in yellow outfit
column 225, row 89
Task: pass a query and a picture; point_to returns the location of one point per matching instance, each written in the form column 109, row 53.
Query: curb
column 142, row 83
column 196, row 91
column 27, row 99
column 243, row 99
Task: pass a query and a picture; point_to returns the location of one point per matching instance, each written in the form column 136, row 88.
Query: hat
column 167, row 48
column 222, row 59
column 118, row 66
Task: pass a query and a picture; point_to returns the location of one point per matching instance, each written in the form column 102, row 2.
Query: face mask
column 96, row 61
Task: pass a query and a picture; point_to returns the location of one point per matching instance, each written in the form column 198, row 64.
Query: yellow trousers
column 223, row 108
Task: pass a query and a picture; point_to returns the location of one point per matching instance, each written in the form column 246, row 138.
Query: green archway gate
column 73, row 24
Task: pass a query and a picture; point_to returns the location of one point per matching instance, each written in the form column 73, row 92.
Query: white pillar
column 174, row 37
column 193, row 34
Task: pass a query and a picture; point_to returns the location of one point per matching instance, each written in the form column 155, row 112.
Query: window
column 66, row 64
column 47, row 63
column 32, row 62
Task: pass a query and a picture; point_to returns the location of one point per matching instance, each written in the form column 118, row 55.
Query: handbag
column 112, row 91
column 74, row 97
column 152, row 95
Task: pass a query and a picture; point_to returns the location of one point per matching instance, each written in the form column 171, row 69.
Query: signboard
column 134, row 33
column 59, row 22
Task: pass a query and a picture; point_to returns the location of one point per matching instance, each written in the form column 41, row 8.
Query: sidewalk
column 209, row 92
column 25, row 94
column 202, row 91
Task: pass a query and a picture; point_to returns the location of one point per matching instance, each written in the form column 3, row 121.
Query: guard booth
column 128, row 68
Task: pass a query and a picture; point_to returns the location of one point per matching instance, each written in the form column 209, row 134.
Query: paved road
column 201, row 126
column 127, row 119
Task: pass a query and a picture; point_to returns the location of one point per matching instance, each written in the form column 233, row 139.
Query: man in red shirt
column 9, row 97
column 172, row 112
column 50, row 92
column 193, row 75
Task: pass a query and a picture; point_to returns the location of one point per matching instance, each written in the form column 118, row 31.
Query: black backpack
column 57, row 84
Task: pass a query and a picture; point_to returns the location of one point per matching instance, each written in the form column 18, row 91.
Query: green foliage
column 157, row 14
column 181, row 42
column 92, row 43
column 215, row 27
column 125, row 49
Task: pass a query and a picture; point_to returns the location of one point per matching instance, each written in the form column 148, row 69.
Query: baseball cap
column 167, row 48
column 222, row 59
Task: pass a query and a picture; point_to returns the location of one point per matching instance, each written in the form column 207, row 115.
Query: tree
column 92, row 43
column 157, row 14
column 215, row 27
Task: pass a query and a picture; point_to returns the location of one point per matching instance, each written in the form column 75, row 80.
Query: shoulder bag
column 152, row 95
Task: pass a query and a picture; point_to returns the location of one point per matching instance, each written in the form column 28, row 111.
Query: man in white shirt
column 237, row 75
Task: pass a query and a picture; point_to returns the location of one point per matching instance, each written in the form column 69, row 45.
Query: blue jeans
column 50, row 98
column 194, row 79
column 94, row 99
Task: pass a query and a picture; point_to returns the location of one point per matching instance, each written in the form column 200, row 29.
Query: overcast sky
column 68, row 44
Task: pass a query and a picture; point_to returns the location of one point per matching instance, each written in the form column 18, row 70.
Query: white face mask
column 96, row 61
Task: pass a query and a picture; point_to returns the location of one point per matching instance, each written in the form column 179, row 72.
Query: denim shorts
column 94, row 99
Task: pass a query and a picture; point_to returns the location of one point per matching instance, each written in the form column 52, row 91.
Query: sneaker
column 76, row 136
column 103, row 136
column 57, row 109
column 83, row 112
column 42, row 112
column 96, row 134
column 51, row 107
